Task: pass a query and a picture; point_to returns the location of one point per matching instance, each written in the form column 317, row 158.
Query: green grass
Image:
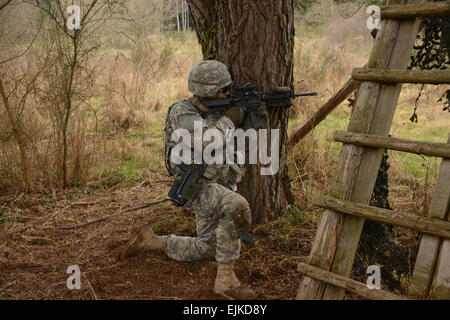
column 129, row 169
column 433, row 124
column 416, row 166
column 336, row 120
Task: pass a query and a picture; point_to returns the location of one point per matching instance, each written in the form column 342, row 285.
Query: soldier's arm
column 185, row 117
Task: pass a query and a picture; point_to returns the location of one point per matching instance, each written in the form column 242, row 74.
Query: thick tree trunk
column 256, row 39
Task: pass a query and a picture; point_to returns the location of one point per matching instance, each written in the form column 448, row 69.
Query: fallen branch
column 113, row 215
column 350, row 86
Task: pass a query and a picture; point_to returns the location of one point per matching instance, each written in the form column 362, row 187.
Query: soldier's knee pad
column 207, row 248
column 235, row 208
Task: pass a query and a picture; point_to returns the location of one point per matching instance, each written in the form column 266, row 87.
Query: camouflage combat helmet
column 207, row 77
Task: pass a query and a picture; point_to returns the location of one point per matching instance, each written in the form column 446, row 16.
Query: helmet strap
column 198, row 104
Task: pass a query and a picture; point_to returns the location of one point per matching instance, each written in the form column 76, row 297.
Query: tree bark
column 204, row 17
column 256, row 40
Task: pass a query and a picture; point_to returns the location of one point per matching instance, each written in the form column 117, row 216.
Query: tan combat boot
column 228, row 285
column 142, row 240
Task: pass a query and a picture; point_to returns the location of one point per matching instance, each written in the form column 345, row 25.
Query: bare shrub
column 128, row 79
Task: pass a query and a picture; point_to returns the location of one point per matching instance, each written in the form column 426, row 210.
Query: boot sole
column 231, row 297
column 225, row 295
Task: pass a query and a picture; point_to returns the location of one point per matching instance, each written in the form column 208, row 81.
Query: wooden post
column 337, row 236
column 425, row 264
column 440, row 288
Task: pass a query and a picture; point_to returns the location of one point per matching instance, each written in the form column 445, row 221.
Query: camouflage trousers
column 221, row 216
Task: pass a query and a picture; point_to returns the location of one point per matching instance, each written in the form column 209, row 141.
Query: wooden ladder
column 326, row 276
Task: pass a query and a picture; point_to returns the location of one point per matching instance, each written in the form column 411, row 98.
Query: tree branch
column 113, row 215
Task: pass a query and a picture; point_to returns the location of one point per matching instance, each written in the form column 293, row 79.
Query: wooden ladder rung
column 425, row 225
column 402, row 76
column 346, row 283
column 412, row 11
column 432, row 149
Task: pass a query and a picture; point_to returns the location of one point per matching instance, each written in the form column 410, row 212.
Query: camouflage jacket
column 183, row 114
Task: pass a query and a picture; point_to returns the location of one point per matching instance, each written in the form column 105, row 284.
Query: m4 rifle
column 248, row 99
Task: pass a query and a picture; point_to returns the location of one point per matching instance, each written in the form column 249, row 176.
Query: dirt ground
column 35, row 253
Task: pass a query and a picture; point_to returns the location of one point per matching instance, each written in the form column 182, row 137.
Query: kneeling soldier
column 221, row 214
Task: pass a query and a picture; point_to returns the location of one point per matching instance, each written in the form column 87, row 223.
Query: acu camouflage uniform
column 221, row 214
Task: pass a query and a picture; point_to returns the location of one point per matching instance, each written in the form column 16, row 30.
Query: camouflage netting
column 432, row 47
column 432, row 51
column 377, row 245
